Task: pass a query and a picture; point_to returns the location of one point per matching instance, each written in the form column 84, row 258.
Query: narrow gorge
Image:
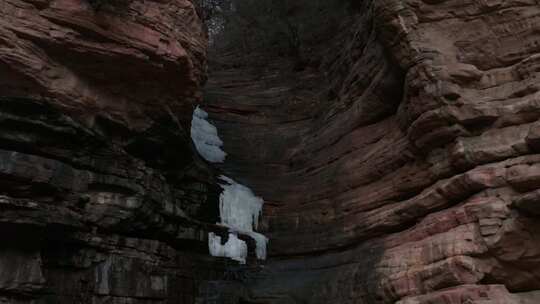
column 396, row 149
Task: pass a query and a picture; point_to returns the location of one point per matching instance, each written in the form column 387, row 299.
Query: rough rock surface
column 102, row 199
column 402, row 169
column 400, row 165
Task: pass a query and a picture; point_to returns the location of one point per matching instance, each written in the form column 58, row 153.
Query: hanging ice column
column 239, row 207
column 240, row 210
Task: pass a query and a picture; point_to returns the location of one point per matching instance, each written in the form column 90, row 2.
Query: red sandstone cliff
column 404, row 168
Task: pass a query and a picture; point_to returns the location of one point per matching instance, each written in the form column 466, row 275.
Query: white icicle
column 239, row 207
column 240, row 210
column 261, row 242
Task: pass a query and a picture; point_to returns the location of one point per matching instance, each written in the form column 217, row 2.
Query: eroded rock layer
column 102, row 197
column 404, row 168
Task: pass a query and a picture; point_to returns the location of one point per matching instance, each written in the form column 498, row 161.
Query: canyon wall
column 400, row 164
column 102, row 198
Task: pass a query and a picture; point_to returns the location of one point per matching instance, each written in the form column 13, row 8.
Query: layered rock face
column 404, row 168
column 400, row 165
column 102, row 197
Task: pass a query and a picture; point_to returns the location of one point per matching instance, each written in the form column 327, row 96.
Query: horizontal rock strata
column 404, row 168
column 103, row 199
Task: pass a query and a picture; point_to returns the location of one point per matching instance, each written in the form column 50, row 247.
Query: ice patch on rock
column 205, row 137
column 234, row 248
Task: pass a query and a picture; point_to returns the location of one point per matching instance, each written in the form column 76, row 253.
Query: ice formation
column 240, row 210
column 205, row 137
column 261, row 242
column 239, row 207
column 234, row 248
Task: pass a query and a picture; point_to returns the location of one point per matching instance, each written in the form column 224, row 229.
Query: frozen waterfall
column 239, row 207
column 240, row 210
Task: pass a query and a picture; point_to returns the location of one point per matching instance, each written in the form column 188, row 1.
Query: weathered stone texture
column 404, row 168
column 102, row 198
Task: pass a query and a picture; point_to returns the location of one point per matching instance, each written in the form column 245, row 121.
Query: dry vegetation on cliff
column 281, row 27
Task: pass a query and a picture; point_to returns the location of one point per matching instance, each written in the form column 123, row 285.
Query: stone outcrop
column 102, row 197
column 404, row 167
